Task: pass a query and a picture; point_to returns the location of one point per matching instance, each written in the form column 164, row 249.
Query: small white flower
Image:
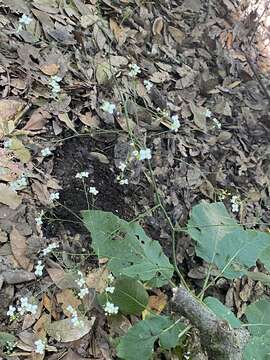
column 110, row 278
column 49, row 248
column 145, row 154
column 54, row 83
column 235, row 201
column 39, row 268
column 148, row 85
column 25, row 20
column 110, row 289
column 11, row 311
column 46, row 152
column 18, row 184
column 27, row 307
column 39, row 346
column 208, row 113
column 93, row 190
column 38, row 219
column 123, row 182
column 7, row 143
column 108, row 107
column 80, row 282
column 32, row 308
column 175, row 123
column 54, row 196
column 83, row 292
column 70, row 309
column 83, row 174
column 56, row 78
column 134, row 70
column 217, row 124
column 122, row 166
column 110, row 308
column 135, row 153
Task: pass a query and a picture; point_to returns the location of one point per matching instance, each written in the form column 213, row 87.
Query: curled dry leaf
column 119, row 32
column 9, row 197
column 17, row 276
column 37, row 120
column 19, row 248
column 97, row 279
column 90, row 120
column 67, row 297
column 62, row 279
column 9, row 109
column 65, row 330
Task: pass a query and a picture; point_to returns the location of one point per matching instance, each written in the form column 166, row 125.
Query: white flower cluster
column 148, row 85
column 134, row 70
column 122, row 166
column 23, row 21
column 93, row 190
column 110, row 289
column 40, row 346
column 46, row 152
column 82, row 284
column 7, row 143
column 122, row 181
column 110, row 308
column 110, row 278
column 235, row 201
column 39, row 268
column 145, row 154
column 208, row 113
column 81, row 175
column 18, row 184
column 175, row 123
column 54, row 196
column 49, row 249
column 38, row 219
column 54, row 84
column 108, row 107
column 216, row 124
column 24, row 307
column 74, row 316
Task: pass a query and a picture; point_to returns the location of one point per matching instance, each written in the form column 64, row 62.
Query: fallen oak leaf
column 50, row 69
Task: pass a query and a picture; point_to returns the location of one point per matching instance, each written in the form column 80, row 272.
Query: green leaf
column 265, row 257
column 5, row 338
column 258, row 348
column 170, row 338
column 129, row 250
column 258, row 276
column 220, row 240
column 139, row 341
column 129, row 295
column 258, row 314
column 222, row 312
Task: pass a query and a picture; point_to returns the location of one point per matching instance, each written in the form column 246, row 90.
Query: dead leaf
column 62, row 279
column 157, row 26
column 199, row 116
column 19, row 150
column 37, row 120
column 126, row 124
column 65, row 118
column 9, row 109
column 160, row 77
column 100, row 157
column 9, row 197
column 67, row 297
column 65, row 330
column 41, row 324
column 157, row 302
column 19, row 248
column 103, row 73
column 118, row 31
column 50, row 69
column 17, row 276
column 97, row 279
column 90, row 120
column 176, row 34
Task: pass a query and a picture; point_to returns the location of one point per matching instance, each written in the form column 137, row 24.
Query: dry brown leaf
column 157, row 302
column 62, row 279
column 65, row 330
column 177, row 34
column 160, row 77
column 9, row 109
column 41, row 324
column 97, row 279
column 90, row 120
column 119, row 32
column 9, row 197
column 100, row 157
column 19, row 248
column 157, row 26
column 65, row 118
column 103, row 72
column 50, row 69
column 19, row 150
column 67, row 297
column 17, row 276
column 37, row 120
column 126, row 124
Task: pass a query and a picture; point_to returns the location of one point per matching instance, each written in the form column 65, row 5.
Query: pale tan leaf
column 100, row 157
column 97, row 279
column 199, row 116
column 157, row 26
column 9, row 197
column 119, row 32
column 103, row 73
column 50, row 69
column 67, row 297
column 65, row 330
column 19, row 248
column 177, row 34
column 126, row 124
column 65, row 118
column 90, row 120
column 62, row 279
column 9, row 109
column 160, row 77
column 19, row 150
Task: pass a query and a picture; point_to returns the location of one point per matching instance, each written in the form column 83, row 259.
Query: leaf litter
column 199, row 63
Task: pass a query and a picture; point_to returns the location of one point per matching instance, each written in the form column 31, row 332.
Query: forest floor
column 84, row 84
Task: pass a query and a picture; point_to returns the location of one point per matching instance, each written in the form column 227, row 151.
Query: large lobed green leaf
column 139, row 341
column 129, row 250
column 222, row 312
column 220, row 240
